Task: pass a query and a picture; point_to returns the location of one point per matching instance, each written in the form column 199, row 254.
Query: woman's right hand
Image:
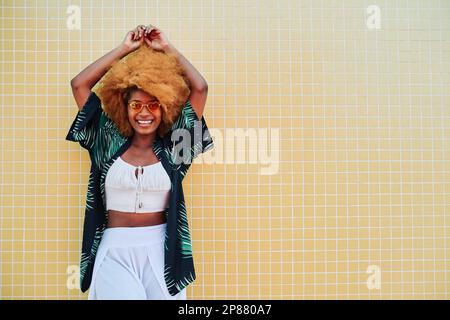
column 134, row 39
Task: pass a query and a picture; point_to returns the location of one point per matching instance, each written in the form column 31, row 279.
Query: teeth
column 149, row 121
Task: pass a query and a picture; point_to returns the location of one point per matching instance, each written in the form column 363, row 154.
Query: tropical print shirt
column 98, row 134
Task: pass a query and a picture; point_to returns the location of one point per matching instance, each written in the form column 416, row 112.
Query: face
column 145, row 115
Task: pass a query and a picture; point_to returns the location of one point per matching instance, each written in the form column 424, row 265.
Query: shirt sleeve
column 191, row 134
column 86, row 125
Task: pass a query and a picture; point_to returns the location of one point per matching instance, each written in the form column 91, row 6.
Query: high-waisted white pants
column 129, row 265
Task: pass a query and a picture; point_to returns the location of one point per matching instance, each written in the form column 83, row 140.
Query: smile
column 144, row 123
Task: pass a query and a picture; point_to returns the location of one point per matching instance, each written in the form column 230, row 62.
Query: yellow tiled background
column 363, row 116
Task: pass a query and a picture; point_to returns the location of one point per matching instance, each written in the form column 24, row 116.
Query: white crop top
column 149, row 192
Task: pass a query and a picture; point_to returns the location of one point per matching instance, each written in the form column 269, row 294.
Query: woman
column 136, row 240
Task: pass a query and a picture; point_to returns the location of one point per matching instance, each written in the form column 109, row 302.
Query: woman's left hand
column 155, row 38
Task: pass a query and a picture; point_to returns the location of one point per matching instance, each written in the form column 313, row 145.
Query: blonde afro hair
column 157, row 73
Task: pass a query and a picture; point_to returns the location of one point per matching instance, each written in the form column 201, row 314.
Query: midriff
column 133, row 219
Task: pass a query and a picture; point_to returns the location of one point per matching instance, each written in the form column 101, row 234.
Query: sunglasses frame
column 149, row 106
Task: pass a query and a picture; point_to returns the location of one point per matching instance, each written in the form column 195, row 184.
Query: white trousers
column 129, row 265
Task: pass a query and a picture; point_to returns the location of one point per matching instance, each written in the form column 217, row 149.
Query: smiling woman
column 136, row 239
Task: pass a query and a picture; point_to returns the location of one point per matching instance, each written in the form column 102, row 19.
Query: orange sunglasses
column 138, row 106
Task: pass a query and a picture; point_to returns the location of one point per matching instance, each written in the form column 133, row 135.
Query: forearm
column 195, row 78
column 95, row 71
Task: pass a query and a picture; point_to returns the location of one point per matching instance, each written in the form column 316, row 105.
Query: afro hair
column 157, row 73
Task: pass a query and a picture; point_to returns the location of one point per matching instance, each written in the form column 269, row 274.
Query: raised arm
column 199, row 87
column 83, row 82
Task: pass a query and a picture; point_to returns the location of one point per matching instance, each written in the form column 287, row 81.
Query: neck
column 143, row 141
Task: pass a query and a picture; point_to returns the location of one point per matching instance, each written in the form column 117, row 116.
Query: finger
column 141, row 30
column 137, row 32
column 149, row 28
column 152, row 34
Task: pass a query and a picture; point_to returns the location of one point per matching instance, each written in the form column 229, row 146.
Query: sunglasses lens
column 154, row 105
column 135, row 105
